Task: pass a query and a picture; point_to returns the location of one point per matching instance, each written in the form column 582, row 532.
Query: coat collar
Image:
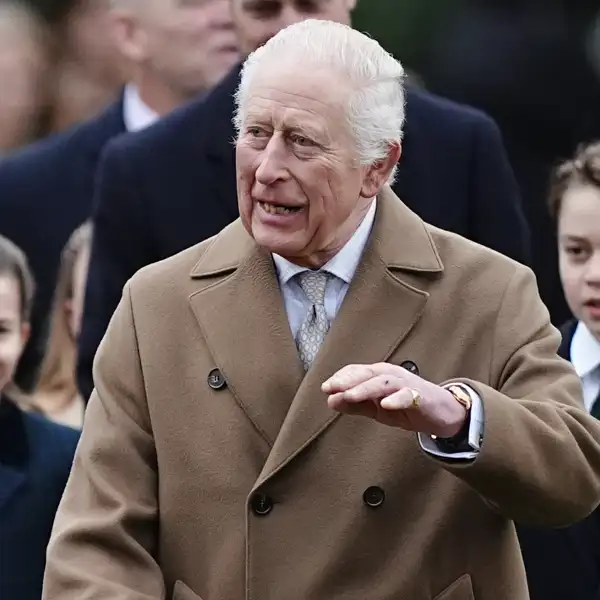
column 399, row 237
column 568, row 331
column 239, row 307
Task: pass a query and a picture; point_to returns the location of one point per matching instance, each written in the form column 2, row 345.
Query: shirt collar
column 344, row 264
column 137, row 114
column 585, row 350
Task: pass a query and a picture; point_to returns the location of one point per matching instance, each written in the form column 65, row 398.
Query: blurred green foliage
column 404, row 27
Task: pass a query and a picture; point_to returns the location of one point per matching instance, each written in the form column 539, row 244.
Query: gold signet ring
column 416, row 397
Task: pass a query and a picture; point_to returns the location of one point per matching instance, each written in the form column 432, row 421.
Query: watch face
column 461, row 396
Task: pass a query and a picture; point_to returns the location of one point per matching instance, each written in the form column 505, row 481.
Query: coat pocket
column 183, row 592
column 461, row 589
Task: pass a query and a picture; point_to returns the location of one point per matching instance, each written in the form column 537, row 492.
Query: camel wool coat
column 211, row 468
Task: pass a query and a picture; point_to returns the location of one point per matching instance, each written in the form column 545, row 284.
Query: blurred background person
column 56, row 394
column 533, row 66
column 35, row 454
column 171, row 186
column 564, row 564
column 23, row 75
column 89, row 71
column 174, row 51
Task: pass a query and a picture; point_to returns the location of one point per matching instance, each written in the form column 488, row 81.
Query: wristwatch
column 460, row 441
column 461, row 395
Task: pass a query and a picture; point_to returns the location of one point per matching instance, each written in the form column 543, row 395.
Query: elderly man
column 330, row 398
column 454, row 174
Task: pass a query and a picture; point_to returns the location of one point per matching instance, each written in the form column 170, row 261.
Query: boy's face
column 579, row 253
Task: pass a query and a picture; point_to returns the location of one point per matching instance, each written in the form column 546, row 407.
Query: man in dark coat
column 46, row 191
column 173, row 185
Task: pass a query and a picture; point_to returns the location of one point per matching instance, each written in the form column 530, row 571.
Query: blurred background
column 533, row 65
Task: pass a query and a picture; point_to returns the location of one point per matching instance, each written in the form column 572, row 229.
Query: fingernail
column 386, row 403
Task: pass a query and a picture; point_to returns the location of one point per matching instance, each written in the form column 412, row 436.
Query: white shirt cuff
column 475, row 431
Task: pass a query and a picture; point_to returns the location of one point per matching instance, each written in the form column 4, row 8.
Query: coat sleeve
column 539, row 462
column 496, row 217
column 104, row 540
column 119, row 249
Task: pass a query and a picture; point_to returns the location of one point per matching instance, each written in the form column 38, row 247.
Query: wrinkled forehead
column 317, row 94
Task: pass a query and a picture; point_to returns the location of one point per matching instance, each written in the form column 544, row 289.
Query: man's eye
column 308, row 6
column 301, row 140
column 255, row 132
column 264, row 10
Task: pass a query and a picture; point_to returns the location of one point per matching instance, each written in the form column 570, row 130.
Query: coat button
column 261, row 504
column 374, row 497
column 410, row 366
column 216, row 380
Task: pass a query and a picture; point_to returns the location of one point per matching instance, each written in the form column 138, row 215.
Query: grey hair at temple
column 375, row 109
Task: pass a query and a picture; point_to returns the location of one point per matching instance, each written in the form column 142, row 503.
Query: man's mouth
column 594, row 303
column 278, row 209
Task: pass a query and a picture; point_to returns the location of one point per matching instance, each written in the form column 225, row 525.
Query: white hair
column 375, row 108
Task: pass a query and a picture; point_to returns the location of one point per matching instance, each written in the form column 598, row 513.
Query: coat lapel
column 11, row 480
column 246, row 329
column 239, row 307
column 381, row 307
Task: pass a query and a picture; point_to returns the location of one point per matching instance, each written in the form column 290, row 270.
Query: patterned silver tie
column 315, row 326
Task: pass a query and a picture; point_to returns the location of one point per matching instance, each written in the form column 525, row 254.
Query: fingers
column 347, row 378
column 361, row 409
column 376, row 388
column 352, row 375
column 403, row 399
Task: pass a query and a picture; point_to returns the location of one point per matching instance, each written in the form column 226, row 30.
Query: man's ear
column 378, row 173
column 129, row 37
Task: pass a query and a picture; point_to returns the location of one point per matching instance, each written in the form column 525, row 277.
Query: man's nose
column 223, row 17
column 271, row 167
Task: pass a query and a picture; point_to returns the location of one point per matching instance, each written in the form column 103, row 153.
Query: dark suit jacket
column 46, row 192
column 173, row 185
column 35, row 461
column 563, row 564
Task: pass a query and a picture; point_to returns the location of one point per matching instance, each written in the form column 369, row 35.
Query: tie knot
column 313, row 284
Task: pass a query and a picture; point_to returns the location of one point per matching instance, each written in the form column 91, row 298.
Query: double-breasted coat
column 211, row 467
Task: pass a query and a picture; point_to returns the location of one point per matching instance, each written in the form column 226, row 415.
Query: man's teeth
column 277, row 210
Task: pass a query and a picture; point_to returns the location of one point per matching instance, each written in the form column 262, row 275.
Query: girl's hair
column 583, row 169
column 57, row 374
column 13, row 262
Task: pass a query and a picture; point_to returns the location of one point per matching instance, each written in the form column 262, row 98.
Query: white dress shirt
column 137, row 114
column 343, row 265
column 585, row 356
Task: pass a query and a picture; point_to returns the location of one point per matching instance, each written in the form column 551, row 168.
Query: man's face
column 191, row 44
column 302, row 191
column 256, row 21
